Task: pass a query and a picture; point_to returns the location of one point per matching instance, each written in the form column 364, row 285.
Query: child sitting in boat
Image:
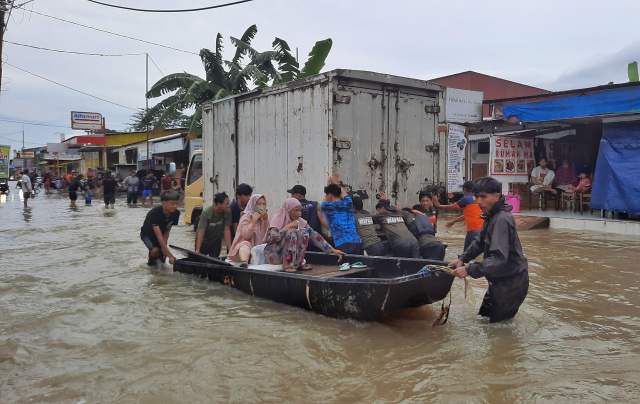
column 288, row 237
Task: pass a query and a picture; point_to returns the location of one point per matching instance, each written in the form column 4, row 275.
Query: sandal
column 358, row 265
column 305, row 267
column 288, row 269
column 345, row 267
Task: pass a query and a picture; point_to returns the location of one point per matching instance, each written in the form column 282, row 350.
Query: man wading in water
column 157, row 225
column 504, row 265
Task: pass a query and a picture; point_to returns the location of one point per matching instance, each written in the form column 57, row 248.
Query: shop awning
column 615, row 101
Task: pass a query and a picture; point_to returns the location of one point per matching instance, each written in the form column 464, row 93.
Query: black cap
column 385, row 203
column 298, row 189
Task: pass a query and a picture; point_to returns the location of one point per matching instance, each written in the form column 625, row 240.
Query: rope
column 429, row 270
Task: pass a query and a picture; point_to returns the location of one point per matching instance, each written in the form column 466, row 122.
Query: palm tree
column 224, row 78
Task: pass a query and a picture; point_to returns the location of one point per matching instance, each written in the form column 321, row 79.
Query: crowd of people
column 98, row 183
column 564, row 179
column 299, row 226
column 246, row 228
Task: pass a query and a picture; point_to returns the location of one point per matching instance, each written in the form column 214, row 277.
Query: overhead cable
column 154, row 63
column 112, row 33
column 86, row 53
column 17, row 140
column 32, row 123
column 171, row 11
column 70, row 88
column 75, row 53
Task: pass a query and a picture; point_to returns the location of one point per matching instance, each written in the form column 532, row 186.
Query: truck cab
column 193, row 189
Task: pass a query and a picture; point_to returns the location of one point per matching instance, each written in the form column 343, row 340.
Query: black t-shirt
column 156, row 217
column 148, row 183
column 109, row 186
column 74, row 184
column 310, row 214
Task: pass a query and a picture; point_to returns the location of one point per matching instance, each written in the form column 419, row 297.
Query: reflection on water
column 26, row 214
column 100, row 326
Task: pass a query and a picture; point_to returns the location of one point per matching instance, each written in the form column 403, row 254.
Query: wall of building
column 492, row 87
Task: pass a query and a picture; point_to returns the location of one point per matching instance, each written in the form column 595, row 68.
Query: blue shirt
column 466, row 200
column 341, row 220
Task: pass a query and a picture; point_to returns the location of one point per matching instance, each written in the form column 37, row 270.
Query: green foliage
column 176, row 119
column 223, row 78
column 317, row 56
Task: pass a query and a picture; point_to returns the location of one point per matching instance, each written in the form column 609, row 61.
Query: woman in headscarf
column 289, row 236
column 252, row 229
column 565, row 176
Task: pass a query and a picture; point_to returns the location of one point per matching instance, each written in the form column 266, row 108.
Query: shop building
column 596, row 129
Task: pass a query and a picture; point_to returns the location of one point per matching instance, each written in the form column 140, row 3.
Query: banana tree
column 224, row 78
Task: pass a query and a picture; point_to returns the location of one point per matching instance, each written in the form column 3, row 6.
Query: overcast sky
column 556, row 45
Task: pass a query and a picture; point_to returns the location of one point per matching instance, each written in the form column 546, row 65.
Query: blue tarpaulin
column 616, row 185
column 616, row 101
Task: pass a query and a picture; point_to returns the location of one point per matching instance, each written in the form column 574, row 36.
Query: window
column 195, row 169
column 483, row 147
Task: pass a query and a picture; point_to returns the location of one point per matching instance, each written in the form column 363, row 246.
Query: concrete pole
column 3, row 9
column 147, row 108
column 104, row 150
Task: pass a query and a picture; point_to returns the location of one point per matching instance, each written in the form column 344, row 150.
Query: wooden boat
column 386, row 285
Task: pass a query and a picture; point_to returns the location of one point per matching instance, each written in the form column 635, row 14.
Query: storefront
column 596, row 129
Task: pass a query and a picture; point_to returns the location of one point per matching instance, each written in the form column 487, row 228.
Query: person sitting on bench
column 542, row 178
column 288, row 237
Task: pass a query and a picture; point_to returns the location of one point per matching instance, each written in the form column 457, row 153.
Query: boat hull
column 391, row 284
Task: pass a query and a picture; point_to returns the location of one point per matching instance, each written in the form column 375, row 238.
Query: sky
column 555, row 45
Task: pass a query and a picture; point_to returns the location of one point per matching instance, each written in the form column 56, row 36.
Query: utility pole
column 147, row 109
column 3, row 9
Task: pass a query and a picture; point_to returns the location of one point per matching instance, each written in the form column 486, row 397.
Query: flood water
column 83, row 319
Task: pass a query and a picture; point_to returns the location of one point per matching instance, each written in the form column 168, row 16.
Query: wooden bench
column 332, row 271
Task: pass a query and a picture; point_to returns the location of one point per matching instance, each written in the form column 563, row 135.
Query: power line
column 17, row 140
column 154, row 63
column 86, row 53
column 11, row 133
column 171, row 11
column 32, row 123
column 70, row 88
column 112, row 33
column 75, row 53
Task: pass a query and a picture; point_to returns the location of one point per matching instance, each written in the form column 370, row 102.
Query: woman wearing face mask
column 252, row 229
column 289, row 236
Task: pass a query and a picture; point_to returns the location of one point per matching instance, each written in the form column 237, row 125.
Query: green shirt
column 394, row 227
column 366, row 229
column 213, row 224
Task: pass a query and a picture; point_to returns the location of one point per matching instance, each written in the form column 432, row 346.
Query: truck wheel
column 195, row 219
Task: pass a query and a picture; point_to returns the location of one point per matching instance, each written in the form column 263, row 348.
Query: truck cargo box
column 380, row 132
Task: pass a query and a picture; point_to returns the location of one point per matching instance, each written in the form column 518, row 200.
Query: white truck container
column 380, row 132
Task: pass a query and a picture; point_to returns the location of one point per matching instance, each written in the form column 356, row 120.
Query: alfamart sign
column 86, row 120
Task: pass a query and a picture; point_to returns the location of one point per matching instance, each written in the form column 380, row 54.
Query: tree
column 224, row 78
column 174, row 119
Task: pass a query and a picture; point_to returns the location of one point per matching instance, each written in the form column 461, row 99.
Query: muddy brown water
column 84, row 320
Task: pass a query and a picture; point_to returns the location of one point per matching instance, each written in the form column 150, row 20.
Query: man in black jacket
column 504, row 265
